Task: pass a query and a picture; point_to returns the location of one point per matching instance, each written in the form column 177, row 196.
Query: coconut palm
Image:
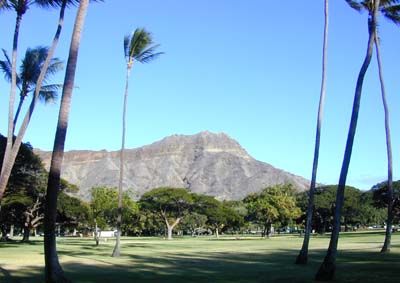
column 53, row 270
column 12, row 148
column 29, row 74
column 390, row 10
column 138, row 47
column 303, row 255
column 326, row 271
column 20, row 7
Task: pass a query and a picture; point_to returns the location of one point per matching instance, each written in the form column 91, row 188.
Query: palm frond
column 355, row 5
column 127, row 39
column 392, row 13
column 6, row 66
column 149, row 54
column 140, row 40
column 4, row 5
column 47, row 94
column 55, row 66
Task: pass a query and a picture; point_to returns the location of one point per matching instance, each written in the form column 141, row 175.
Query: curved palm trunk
column 326, row 271
column 117, row 250
column 7, row 165
column 303, row 255
column 53, row 270
column 13, row 151
column 389, row 221
column 21, row 102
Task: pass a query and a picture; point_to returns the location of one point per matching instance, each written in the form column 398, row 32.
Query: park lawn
column 228, row 259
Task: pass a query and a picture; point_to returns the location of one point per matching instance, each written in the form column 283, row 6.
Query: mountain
column 206, row 163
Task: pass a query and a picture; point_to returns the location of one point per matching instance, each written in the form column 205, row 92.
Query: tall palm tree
column 138, row 47
column 20, row 7
column 53, row 269
column 12, row 148
column 326, row 271
column 390, row 10
column 303, row 254
column 29, row 73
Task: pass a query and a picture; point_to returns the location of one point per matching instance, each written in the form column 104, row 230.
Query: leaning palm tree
column 138, row 47
column 12, row 148
column 303, row 254
column 326, row 271
column 29, row 73
column 53, row 269
column 20, row 7
column 390, row 10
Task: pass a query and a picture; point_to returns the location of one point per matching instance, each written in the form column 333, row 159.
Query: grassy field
column 203, row 260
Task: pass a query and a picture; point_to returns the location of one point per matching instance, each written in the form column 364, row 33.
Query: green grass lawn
column 203, row 260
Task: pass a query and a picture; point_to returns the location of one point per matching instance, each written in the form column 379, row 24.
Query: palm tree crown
column 139, row 47
column 390, row 9
column 30, row 70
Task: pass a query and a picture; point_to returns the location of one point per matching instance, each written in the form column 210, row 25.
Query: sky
column 250, row 69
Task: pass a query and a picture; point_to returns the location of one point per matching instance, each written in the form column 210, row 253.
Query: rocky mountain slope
column 206, row 163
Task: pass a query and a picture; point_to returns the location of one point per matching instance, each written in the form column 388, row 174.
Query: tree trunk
column 389, row 221
column 116, row 251
column 326, row 271
column 4, row 237
column 302, row 258
column 12, row 149
column 27, row 232
column 53, row 270
column 12, row 231
column 7, row 165
column 170, row 227
column 21, row 102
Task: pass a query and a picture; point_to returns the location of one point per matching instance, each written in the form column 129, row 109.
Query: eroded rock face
column 207, row 163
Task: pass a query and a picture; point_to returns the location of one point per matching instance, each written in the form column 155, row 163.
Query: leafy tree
column 381, row 197
column 138, row 47
column 53, row 270
column 327, row 269
column 22, row 203
column 72, row 212
column 217, row 214
column 170, row 204
column 194, row 222
column 29, row 73
column 303, row 254
column 275, row 204
column 104, row 206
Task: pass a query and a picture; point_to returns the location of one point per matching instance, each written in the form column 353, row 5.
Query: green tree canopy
column 171, row 205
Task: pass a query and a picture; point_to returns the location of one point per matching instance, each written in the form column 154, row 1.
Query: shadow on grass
column 353, row 266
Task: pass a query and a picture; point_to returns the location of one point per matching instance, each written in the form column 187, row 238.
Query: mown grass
column 203, row 260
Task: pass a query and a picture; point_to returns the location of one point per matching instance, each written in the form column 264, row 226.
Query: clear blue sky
column 250, row 69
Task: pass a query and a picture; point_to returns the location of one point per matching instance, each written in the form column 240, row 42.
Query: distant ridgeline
column 205, row 163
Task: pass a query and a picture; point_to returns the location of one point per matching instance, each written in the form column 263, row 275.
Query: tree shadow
column 214, row 266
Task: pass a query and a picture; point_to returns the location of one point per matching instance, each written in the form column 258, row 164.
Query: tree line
column 177, row 211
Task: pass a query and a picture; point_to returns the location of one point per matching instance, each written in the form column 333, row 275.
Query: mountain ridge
column 208, row 163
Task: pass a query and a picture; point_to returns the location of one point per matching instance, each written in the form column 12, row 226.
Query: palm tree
column 138, row 47
column 390, row 10
column 326, row 271
column 12, row 148
column 53, row 270
column 29, row 74
column 20, row 7
column 303, row 255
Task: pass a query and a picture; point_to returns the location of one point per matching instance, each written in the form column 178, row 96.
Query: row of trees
column 165, row 210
